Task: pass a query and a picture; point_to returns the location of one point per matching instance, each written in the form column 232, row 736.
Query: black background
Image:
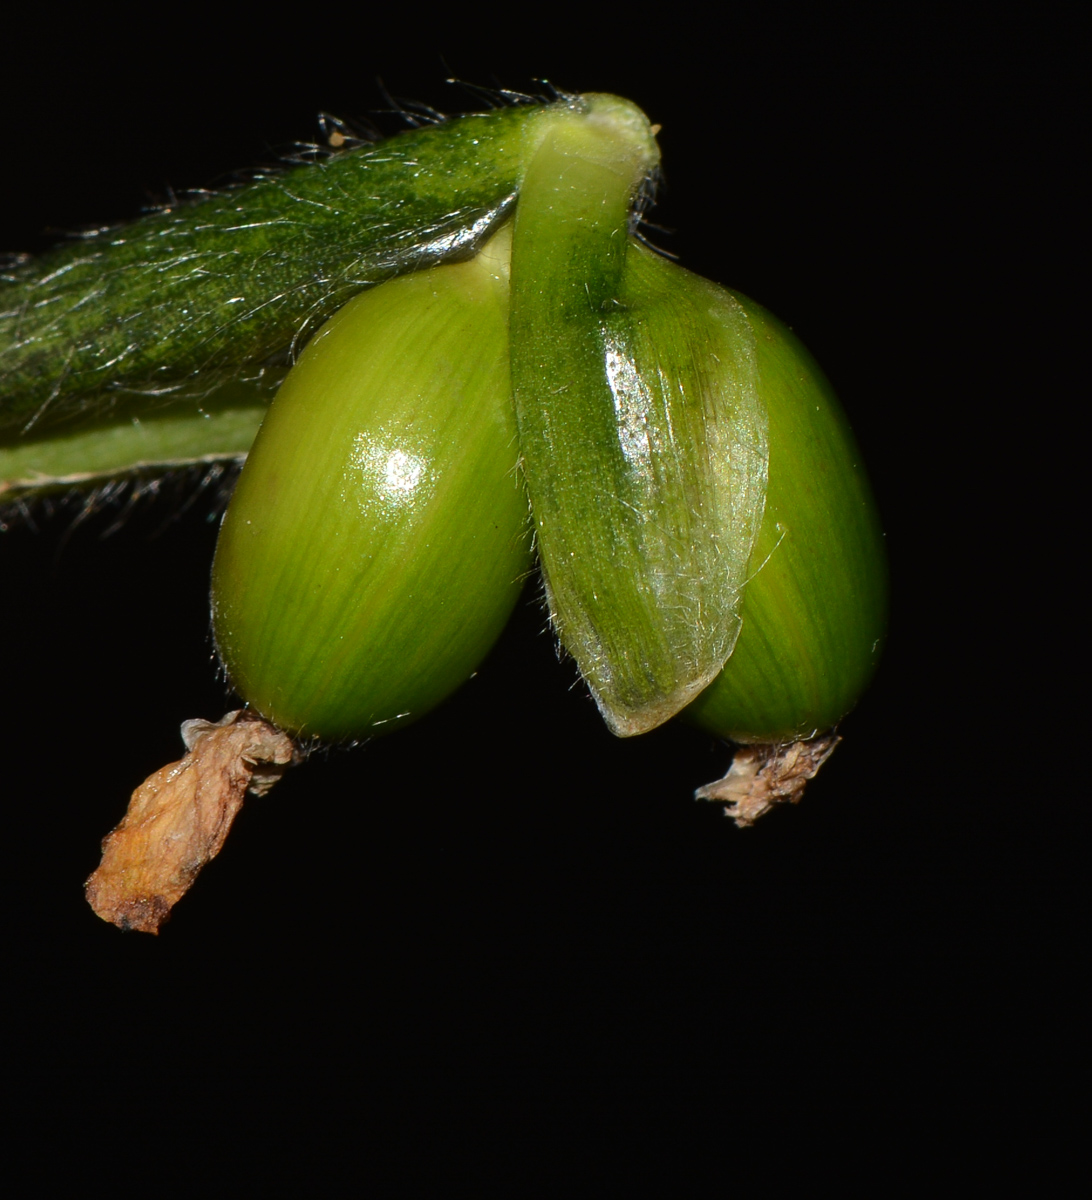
column 505, row 888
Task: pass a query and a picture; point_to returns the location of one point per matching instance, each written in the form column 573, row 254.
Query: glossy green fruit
column 379, row 533
column 815, row 605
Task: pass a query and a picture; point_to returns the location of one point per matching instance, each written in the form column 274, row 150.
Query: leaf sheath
column 207, row 290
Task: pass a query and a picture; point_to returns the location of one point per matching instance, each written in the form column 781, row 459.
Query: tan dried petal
column 762, row 776
column 178, row 818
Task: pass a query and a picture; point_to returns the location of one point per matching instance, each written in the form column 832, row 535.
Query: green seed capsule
column 815, row 606
column 376, row 542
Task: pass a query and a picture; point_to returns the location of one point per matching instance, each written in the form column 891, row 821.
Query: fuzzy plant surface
column 160, row 342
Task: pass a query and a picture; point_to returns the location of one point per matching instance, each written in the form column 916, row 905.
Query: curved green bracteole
column 203, row 291
column 815, row 609
column 379, row 534
column 642, row 434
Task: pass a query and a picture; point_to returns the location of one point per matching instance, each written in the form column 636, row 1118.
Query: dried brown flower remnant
column 178, row 818
column 764, row 775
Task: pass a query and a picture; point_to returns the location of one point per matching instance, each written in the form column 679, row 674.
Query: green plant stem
column 206, row 290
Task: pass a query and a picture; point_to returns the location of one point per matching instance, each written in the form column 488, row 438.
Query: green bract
column 378, row 536
column 644, row 444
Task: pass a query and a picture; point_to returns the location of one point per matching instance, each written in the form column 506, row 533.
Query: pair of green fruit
column 706, row 532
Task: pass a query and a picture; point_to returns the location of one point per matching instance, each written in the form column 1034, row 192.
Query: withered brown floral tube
column 178, row 818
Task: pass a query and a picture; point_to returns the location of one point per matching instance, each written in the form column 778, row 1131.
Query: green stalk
column 221, row 428
column 202, row 292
